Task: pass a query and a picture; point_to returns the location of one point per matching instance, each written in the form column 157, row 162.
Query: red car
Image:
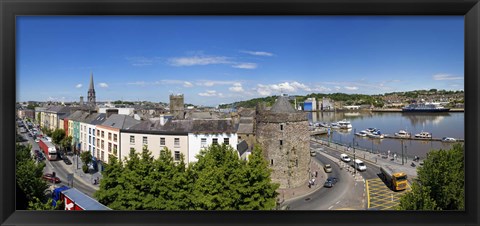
column 50, row 178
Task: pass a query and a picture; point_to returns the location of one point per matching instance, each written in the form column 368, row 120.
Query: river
column 449, row 124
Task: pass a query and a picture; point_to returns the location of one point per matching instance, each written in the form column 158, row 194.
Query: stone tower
column 283, row 135
column 177, row 106
column 91, row 92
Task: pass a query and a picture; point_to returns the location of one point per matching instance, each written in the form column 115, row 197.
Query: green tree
column 37, row 204
column 257, row 190
column 440, row 184
column 58, row 135
column 29, row 176
column 112, row 184
column 86, row 157
column 66, row 142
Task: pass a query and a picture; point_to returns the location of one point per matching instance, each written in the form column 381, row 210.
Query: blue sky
column 222, row 59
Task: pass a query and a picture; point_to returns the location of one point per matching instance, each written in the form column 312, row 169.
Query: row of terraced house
column 110, row 133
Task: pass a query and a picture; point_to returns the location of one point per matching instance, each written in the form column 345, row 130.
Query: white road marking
column 330, row 207
column 337, row 202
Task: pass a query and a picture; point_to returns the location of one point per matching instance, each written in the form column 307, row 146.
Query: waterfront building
column 283, row 134
column 310, row 104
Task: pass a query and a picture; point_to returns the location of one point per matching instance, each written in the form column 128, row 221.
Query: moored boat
column 402, row 134
column 362, row 133
column 425, row 107
column 344, row 124
column 449, row 139
column 425, row 135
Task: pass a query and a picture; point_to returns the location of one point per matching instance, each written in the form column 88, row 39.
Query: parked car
column 330, row 182
column 327, row 168
column 345, row 158
column 66, row 160
column 51, row 178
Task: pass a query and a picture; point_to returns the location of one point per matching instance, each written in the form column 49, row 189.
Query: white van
column 313, row 153
column 360, row 165
column 345, row 158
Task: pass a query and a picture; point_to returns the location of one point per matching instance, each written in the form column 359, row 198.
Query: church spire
column 91, row 81
column 91, row 92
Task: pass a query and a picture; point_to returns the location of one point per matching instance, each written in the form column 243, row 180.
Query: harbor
column 439, row 125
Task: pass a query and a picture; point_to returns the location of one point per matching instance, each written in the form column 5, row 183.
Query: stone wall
column 290, row 159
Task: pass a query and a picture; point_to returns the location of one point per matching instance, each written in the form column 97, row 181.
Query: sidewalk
column 85, row 178
column 378, row 158
column 288, row 194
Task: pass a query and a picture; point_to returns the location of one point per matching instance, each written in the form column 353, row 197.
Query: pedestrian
column 313, row 181
column 395, row 156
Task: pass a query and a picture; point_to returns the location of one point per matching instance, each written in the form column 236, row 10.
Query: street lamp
column 406, row 155
column 402, row 154
column 354, row 167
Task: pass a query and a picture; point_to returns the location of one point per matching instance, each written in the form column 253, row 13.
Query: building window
column 132, row 139
column 281, row 127
column 109, row 136
column 281, row 142
column 103, row 154
column 177, row 142
column 89, row 130
column 144, row 140
column 98, row 132
column 103, row 145
column 89, row 139
column 271, row 162
column 115, row 137
column 103, row 134
column 98, row 141
column 226, row 141
column 93, row 132
column 162, row 141
column 93, row 141
column 115, row 149
column 215, row 141
column 163, row 152
column 109, row 147
column 204, row 142
column 177, row 155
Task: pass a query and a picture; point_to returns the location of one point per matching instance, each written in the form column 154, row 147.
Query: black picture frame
column 10, row 9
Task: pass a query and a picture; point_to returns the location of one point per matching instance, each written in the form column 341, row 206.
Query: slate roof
column 99, row 119
column 120, row 121
column 242, row 147
column 186, row 126
column 282, row 105
column 245, row 128
column 75, row 115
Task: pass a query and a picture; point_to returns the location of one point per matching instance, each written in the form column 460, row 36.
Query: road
column 347, row 192
column 60, row 169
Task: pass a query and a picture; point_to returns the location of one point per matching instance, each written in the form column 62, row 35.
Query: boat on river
column 403, row 134
column 376, row 134
column 449, row 139
column 425, row 135
column 425, row 107
column 362, row 133
column 344, row 124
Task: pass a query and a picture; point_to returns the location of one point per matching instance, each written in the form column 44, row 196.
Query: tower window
column 281, row 142
column 281, row 127
column 271, row 162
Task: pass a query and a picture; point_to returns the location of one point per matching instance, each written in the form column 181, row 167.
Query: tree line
column 219, row 180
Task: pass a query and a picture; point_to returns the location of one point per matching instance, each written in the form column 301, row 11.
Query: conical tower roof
column 282, row 105
column 91, row 81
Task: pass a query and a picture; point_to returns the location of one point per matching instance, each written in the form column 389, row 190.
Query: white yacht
column 402, row 134
column 344, row 124
column 449, row 139
column 423, row 135
column 362, row 133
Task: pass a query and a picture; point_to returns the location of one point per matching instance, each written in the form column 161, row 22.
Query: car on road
column 66, row 160
column 313, row 153
column 330, row 182
column 359, row 165
column 327, row 168
column 345, row 158
column 51, row 178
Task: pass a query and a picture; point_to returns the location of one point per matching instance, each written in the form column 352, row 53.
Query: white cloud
column 213, row 83
column 197, row 60
column 210, row 93
column 187, row 84
column 245, row 65
column 258, row 53
column 439, row 77
column 103, row 85
column 337, row 88
column 351, row 87
column 321, row 89
column 139, row 83
column 237, row 87
column 78, row 86
column 285, row 87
